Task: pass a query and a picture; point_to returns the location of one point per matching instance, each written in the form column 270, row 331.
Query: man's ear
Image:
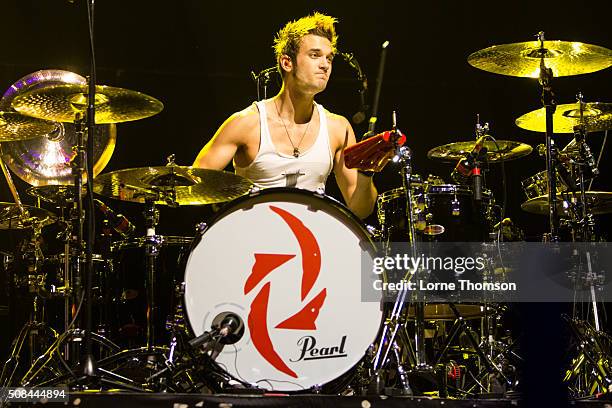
column 286, row 63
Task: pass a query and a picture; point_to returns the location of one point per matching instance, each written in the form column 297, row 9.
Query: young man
column 290, row 140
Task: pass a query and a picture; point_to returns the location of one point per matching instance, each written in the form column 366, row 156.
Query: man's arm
column 358, row 190
column 221, row 149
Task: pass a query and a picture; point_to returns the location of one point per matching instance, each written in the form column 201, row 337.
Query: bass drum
column 288, row 262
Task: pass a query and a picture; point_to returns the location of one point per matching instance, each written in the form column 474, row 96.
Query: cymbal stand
column 550, row 105
column 36, row 331
column 152, row 245
column 395, row 323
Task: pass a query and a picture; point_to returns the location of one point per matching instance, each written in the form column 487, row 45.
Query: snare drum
column 288, row 263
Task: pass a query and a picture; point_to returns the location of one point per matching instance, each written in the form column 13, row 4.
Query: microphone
column 118, row 222
column 226, row 328
column 464, row 167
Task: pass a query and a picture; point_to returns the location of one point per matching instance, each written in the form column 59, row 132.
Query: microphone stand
column 263, row 76
column 550, row 105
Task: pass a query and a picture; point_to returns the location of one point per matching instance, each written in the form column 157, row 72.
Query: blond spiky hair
column 288, row 39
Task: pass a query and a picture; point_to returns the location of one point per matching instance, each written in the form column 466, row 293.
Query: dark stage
column 198, row 58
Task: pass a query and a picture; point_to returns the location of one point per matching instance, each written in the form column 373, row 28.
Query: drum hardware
column 556, row 59
column 386, row 344
column 591, row 369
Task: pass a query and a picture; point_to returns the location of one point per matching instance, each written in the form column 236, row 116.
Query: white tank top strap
column 265, row 140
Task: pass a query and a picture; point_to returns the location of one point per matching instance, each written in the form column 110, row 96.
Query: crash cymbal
column 11, row 217
column 44, row 161
column 596, row 116
column 172, row 185
column 62, row 103
column 508, row 150
column 14, row 126
column 598, row 202
column 523, row 59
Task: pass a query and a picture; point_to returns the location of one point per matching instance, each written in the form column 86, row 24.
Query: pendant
column 296, row 152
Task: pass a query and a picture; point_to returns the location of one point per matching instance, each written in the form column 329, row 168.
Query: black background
column 196, row 57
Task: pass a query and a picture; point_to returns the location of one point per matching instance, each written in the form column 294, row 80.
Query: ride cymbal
column 14, row 126
column 62, row 103
column 508, row 150
column 172, row 185
column 523, row 59
column 11, row 217
column 598, row 202
column 596, row 116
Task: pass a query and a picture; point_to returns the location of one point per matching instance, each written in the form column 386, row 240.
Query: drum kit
column 267, row 295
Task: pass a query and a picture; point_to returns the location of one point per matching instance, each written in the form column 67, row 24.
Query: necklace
column 296, row 149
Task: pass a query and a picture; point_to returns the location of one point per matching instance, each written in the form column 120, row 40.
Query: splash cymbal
column 508, row 150
column 596, row 116
column 172, row 185
column 11, row 217
column 45, row 160
column 598, row 202
column 14, row 126
column 523, row 59
column 63, row 102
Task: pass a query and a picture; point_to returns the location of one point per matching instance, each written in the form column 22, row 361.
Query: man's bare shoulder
column 248, row 117
column 336, row 123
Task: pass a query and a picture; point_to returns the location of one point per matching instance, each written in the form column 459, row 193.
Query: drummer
column 290, row 140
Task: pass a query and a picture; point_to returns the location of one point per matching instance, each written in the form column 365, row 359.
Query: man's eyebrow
column 332, row 53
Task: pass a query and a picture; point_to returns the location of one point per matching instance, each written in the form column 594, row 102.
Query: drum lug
column 320, row 192
column 254, row 191
column 455, row 208
column 201, row 227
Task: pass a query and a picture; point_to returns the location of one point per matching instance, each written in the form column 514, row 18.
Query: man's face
column 313, row 64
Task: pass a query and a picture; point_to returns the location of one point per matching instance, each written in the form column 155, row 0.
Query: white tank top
column 270, row 168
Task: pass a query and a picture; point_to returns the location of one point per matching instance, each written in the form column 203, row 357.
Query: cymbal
column 44, row 161
column 596, row 116
column 598, row 202
column 63, row 102
column 14, row 126
column 508, row 150
column 172, row 185
column 56, row 194
column 11, row 218
column 523, row 59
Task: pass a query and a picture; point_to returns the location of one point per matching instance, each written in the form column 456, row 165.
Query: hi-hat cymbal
column 508, row 150
column 172, row 185
column 14, row 126
column 596, row 116
column 55, row 194
column 63, row 102
column 523, row 59
column 45, row 160
column 11, row 217
column 598, row 202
